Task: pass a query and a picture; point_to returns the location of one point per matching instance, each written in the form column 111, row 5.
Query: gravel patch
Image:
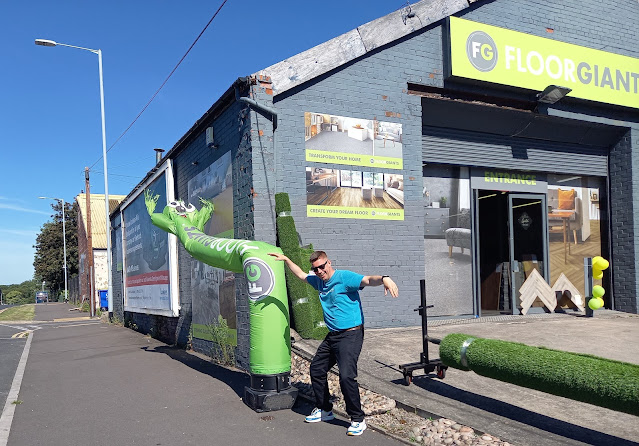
column 383, row 415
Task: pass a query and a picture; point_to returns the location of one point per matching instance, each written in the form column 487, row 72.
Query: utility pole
column 89, row 266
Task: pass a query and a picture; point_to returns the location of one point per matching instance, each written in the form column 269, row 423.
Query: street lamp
column 64, row 242
column 44, row 42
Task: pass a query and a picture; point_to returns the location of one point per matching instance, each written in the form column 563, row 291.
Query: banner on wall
column 357, row 194
column 353, row 141
column 214, row 288
column 148, row 252
column 492, row 54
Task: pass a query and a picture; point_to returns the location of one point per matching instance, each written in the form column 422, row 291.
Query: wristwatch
column 384, row 277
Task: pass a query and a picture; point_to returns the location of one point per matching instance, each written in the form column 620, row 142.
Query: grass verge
column 19, row 313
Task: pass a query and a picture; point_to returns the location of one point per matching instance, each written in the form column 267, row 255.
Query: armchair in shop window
column 561, row 202
column 459, row 236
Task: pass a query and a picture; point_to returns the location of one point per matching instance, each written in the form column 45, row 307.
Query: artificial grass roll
column 282, row 203
column 317, row 315
column 587, row 378
column 287, row 235
column 307, row 317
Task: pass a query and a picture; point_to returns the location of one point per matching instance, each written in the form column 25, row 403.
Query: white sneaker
column 319, row 415
column 356, row 428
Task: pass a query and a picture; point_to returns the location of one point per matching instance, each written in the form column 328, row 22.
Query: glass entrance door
column 527, row 224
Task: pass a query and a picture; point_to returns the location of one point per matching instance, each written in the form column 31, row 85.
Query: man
column 339, row 296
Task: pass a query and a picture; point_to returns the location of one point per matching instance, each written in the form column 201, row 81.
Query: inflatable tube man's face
column 179, row 209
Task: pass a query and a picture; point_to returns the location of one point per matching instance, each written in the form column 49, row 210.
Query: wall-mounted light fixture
column 210, row 138
column 552, row 94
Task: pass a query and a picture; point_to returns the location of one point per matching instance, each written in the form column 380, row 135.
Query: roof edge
column 342, row 49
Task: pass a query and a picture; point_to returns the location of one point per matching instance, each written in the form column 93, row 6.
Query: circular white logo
column 481, row 51
column 261, row 279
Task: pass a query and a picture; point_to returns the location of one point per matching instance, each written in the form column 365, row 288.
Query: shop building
column 468, row 144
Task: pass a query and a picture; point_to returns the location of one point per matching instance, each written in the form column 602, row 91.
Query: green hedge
column 308, row 318
column 587, row 378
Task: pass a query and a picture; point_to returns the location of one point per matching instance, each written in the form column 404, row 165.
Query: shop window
column 574, row 225
column 447, row 240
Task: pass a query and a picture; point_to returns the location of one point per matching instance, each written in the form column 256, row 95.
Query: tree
column 49, row 248
column 23, row 293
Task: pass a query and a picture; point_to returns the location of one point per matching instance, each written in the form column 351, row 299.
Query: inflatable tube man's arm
column 204, row 214
column 162, row 221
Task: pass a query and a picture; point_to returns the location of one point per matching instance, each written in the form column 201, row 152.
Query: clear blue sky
column 49, row 96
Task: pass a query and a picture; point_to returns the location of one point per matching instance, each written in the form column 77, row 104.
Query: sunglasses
column 317, row 268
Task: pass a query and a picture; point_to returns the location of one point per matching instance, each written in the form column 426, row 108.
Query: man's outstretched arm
column 291, row 265
column 389, row 285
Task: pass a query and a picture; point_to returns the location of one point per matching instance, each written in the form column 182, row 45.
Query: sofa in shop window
column 395, row 188
column 459, row 236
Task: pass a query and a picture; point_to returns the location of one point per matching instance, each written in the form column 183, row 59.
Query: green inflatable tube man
column 270, row 339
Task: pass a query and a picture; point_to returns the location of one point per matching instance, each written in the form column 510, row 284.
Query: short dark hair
column 317, row 255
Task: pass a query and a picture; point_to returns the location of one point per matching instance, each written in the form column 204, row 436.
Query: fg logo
column 260, row 278
column 481, row 51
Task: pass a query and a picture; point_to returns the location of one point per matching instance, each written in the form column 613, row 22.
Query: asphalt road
column 10, row 350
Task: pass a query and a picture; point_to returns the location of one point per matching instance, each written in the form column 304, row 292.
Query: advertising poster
column 214, row 288
column 359, row 194
column 352, row 141
column 146, row 254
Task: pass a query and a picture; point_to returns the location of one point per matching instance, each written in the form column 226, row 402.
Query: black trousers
column 343, row 348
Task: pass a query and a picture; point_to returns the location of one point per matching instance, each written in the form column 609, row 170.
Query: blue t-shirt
column 340, row 299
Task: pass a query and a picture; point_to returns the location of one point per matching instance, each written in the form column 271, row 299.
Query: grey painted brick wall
column 231, row 129
column 375, row 86
column 623, row 233
column 369, row 88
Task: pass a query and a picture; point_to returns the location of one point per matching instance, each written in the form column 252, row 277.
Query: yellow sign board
column 497, row 55
column 354, row 159
column 354, row 212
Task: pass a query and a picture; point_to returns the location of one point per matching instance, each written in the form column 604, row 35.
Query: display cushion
column 566, row 199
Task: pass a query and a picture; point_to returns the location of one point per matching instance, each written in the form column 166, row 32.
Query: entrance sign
column 497, row 55
column 506, row 180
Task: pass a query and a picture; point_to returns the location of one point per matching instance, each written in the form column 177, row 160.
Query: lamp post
column 64, row 243
column 43, row 42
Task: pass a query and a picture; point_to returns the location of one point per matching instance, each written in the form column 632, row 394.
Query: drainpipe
column 263, row 109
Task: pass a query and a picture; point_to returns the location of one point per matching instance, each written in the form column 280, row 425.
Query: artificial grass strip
column 591, row 379
column 307, row 315
column 282, row 203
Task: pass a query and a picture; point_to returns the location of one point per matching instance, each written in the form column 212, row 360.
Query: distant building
column 99, row 245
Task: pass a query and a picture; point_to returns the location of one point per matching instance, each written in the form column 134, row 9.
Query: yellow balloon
column 595, row 303
column 600, row 263
column 598, row 291
column 598, row 275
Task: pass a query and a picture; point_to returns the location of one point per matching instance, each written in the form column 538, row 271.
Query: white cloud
column 20, row 232
column 12, row 207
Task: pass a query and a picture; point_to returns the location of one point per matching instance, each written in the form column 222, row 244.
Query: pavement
column 515, row 414
column 90, row 382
